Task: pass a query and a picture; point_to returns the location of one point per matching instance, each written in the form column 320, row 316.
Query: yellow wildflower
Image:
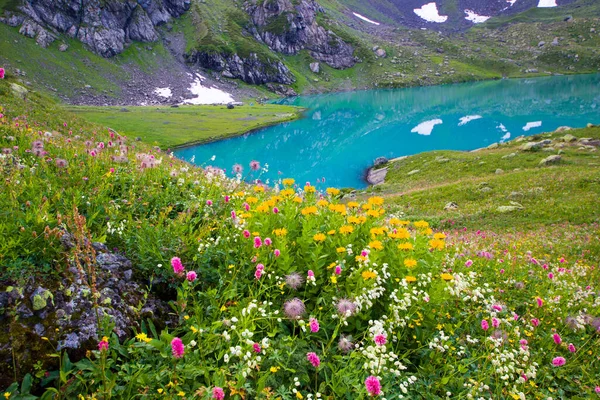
column 280, row 232
column 437, row 244
column 353, row 204
column 346, row 229
column 333, row 191
column 366, row 275
column 287, row 192
column 367, row 206
column 421, row 224
column 299, row 395
column 309, row 210
column 410, row 279
column 142, row 337
column 319, row 237
column 405, row 246
column 447, row 277
column 338, row 208
column 341, row 249
column 298, row 199
column 274, row 369
column 193, row 329
column 309, row 189
column 439, row 236
column 376, row 245
column 264, row 208
column 259, row 189
column 333, row 279
column 322, row 203
column 181, row 394
column 331, row 232
column 251, row 200
column 160, row 390
column 410, row 263
column 375, row 213
column 377, row 231
column 399, row 234
column 6, row 395
column 428, row 231
column 288, row 181
column 376, row 201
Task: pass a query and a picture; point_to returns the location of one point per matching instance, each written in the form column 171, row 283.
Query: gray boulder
column 553, row 159
column 315, row 67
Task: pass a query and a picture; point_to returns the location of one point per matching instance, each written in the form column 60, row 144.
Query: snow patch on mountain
column 208, row 95
column 365, row 19
column 429, row 12
column 474, row 17
column 547, row 3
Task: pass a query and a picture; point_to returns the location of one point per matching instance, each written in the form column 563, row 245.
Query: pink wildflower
column 468, row 263
column 313, row 358
column 246, row 234
column 497, row 307
column 260, row 267
column 257, row 274
column 314, row 325
column 256, row 347
column 246, row 206
column 254, row 165
column 373, row 386
column 597, row 390
column 558, row 361
column 535, row 322
column 484, row 325
column 557, row 338
column 502, row 271
column 257, row 242
column 237, row 168
column 495, row 322
column 177, row 348
column 226, row 199
column 191, row 276
column 177, row 265
column 268, row 241
column 209, row 203
column 103, row 345
column 540, row 302
column 218, row 393
column 550, row 275
column 233, row 215
column 380, row 340
column 572, row 348
column 276, row 252
column 2, row 72
column 275, row 210
column 338, row 270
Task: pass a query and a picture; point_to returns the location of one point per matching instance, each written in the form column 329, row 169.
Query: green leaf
column 26, row 384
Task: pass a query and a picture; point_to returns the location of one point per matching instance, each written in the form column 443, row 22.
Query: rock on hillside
column 288, row 27
column 105, row 26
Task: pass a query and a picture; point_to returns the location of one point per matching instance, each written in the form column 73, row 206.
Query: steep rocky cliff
column 288, row 27
column 105, row 26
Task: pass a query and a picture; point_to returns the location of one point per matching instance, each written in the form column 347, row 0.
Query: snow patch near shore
column 365, row 19
column 206, row 95
column 468, row 118
column 425, row 128
column 474, row 17
column 429, row 13
column 547, row 3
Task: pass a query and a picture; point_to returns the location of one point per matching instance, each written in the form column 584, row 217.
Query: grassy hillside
column 170, row 127
column 482, row 182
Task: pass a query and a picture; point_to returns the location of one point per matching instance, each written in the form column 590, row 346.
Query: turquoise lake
column 342, row 133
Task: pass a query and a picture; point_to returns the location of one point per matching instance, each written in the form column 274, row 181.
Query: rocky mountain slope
column 167, row 51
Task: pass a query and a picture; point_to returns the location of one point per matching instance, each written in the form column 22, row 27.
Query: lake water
column 342, row 133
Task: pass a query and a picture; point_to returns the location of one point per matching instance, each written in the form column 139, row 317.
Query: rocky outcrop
column 64, row 312
column 288, row 26
column 105, row 26
column 251, row 69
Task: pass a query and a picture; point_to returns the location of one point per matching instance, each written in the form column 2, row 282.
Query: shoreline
column 295, row 117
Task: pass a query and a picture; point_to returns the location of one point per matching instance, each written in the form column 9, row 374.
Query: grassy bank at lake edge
column 171, row 127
